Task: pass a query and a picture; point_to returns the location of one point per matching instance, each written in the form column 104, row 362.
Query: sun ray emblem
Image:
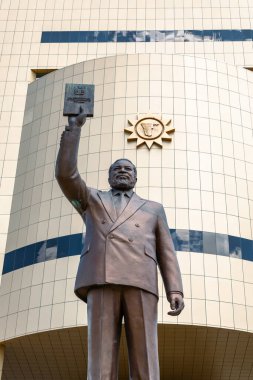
column 149, row 129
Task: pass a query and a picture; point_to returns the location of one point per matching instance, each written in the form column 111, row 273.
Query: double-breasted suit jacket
column 122, row 250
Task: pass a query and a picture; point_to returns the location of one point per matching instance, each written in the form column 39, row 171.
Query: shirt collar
column 128, row 193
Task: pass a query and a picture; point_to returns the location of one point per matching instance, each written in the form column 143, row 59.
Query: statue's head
column 122, row 174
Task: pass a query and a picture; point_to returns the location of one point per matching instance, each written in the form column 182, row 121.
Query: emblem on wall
column 149, row 129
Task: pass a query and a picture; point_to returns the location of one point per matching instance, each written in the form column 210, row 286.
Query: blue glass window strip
column 209, row 243
column 100, row 36
column 184, row 241
column 19, row 259
column 9, row 262
column 75, row 244
column 63, row 246
column 235, row 249
column 51, row 249
column 222, row 245
column 40, row 252
column 29, row 254
column 247, row 249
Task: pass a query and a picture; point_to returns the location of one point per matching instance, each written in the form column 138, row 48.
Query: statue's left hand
column 176, row 303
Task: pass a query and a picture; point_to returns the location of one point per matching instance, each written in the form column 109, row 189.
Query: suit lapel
column 133, row 205
column 106, row 198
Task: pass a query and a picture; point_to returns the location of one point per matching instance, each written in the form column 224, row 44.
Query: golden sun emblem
column 149, row 129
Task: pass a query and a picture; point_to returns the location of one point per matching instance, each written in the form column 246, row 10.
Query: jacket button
column 103, row 222
column 131, row 240
column 111, row 236
column 137, row 225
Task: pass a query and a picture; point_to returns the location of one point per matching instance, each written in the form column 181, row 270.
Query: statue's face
column 122, row 175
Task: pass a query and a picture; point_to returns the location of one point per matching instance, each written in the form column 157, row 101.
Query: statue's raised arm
column 66, row 170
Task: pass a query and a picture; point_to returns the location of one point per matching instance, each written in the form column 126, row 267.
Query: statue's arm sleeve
column 66, row 171
column 166, row 256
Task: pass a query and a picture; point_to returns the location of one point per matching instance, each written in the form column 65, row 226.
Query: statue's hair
column 120, row 159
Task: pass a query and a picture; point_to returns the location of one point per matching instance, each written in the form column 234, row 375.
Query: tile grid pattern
column 194, row 166
column 21, row 50
column 196, row 175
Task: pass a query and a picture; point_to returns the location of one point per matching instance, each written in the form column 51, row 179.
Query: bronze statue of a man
column 126, row 238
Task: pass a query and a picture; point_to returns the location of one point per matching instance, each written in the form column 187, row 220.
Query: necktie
column 120, row 203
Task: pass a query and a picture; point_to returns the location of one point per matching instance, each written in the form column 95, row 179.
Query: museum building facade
column 183, row 72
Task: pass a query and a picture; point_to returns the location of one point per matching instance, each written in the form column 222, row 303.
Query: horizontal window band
column 184, row 240
column 97, row 36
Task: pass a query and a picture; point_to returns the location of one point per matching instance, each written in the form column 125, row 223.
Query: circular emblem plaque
column 149, row 129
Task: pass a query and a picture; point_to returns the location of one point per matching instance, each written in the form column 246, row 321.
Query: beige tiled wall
column 203, row 177
column 21, row 25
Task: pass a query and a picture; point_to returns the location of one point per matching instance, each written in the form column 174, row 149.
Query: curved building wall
column 40, row 37
column 204, row 178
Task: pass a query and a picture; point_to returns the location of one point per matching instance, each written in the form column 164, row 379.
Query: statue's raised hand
column 78, row 120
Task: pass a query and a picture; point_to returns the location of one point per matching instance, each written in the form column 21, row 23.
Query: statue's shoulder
column 157, row 205
column 152, row 204
column 96, row 194
column 94, row 190
column 103, row 192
